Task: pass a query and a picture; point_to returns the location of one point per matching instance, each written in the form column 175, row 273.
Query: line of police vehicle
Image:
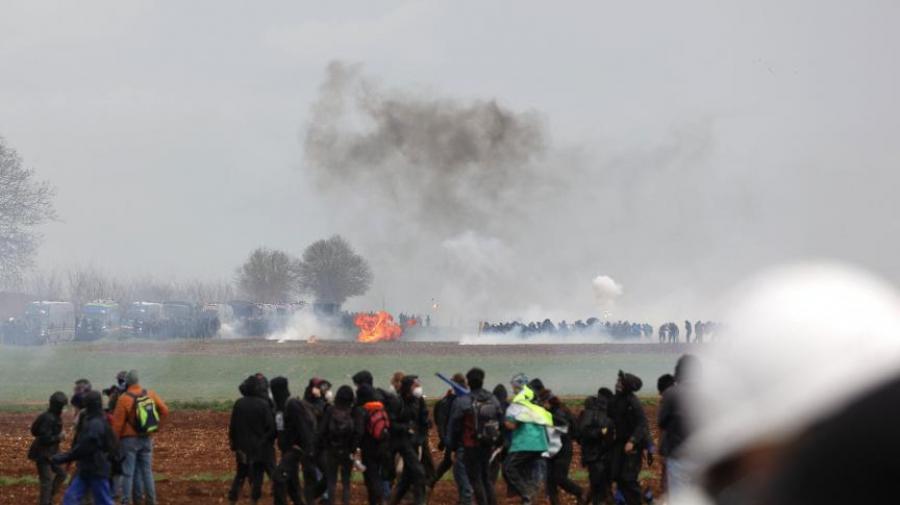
column 48, row 322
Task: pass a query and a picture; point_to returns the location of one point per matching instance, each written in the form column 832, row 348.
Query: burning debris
column 377, row 327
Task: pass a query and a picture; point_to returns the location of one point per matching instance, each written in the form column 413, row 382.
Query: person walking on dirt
column 498, row 458
column 672, row 419
column 631, row 437
column 92, row 452
column 340, row 433
column 474, row 430
column 453, row 454
column 294, row 428
column 375, row 442
column 251, row 432
column 528, row 424
column 408, row 432
column 391, row 404
column 595, row 433
column 47, row 430
column 558, row 464
column 139, row 413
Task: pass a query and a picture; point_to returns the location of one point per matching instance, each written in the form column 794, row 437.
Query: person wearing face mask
column 632, row 436
column 47, row 432
column 408, row 434
column 315, row 397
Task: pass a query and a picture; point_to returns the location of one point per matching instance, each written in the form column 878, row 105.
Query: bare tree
column 25, row 203
column 87, row 284
column 44, row 285
column 333, row 272
column 267, row 276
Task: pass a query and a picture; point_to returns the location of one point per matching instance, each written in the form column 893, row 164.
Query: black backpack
column 485, row 415
column 340, row 428
column 594, row 427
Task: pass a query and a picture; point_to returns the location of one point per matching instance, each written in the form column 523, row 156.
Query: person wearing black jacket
column 632, row 436
column 294, row 429
column 408, row 432
column 473, row 416
column 375, row 442
column 391, row 404
column 251, row 433
column 92, row 452
column 453, row 457
column 47, row 433
column 595, row 433
column 340, row 433
column 497, row 466
column 558, row 465
column 672, row 419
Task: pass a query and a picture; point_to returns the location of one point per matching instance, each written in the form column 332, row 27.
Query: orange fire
column 378, row 327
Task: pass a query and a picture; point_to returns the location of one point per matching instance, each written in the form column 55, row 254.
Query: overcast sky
column 733, row 136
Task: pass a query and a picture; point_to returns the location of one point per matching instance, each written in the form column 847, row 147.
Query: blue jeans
column 98, row 486
column 461, row 478
column 678, row 475
column 137, row 470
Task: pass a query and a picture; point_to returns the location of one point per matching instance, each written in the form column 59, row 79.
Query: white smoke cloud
column 606, row 291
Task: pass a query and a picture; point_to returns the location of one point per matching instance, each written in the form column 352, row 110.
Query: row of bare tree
column 329, row 270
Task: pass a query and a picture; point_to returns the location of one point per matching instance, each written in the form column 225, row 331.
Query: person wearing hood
column 453, row 457
column 528, row 423
column 631, row 437
column 340, row 433
column 408, row 432
column 559, row 463
column 251, row 433
column 672, row 420
column 47, row 430
column 294, row 431
column 474, row 430
column 375, row 441
column 96, row 444
column 391, row 405
column 595, row 433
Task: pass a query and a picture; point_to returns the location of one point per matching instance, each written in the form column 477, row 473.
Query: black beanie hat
column 365, row 394
column 363, row 377
column 344, row 396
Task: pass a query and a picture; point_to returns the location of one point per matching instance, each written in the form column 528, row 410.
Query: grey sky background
column 692, row 142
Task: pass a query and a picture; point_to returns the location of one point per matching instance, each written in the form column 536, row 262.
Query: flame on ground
column 377, row 327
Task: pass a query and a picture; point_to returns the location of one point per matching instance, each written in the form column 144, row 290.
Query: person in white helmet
column 799, row 397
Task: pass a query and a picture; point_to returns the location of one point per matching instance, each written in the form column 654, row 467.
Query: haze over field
column 493, row 161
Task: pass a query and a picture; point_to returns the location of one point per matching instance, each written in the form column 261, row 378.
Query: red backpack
column 377, row 423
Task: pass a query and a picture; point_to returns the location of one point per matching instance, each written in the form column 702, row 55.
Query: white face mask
column 329, row 396
column 418, row 392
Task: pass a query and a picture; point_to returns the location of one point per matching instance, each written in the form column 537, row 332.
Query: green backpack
column 146, row 416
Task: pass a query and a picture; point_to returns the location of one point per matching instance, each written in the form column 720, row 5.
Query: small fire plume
column 377, row 327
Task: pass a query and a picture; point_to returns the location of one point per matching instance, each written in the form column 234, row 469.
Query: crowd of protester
column 591, row 326
column 670, row 332
column 308, row 445
column 112, row 447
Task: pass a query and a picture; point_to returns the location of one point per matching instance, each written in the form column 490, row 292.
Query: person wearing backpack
column 528, row 423
column 408, row 432
column 391, row 404
column 340, row 433
column 47, row 430
column 139, row 413
column 631, row 437
column 475, row 428
column 92, row 452
column 375, row 442
column 559, row 463
column 294, row 432
column 595, row 433
column 453, row 456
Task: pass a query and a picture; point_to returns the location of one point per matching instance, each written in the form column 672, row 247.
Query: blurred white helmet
column 800, row 343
